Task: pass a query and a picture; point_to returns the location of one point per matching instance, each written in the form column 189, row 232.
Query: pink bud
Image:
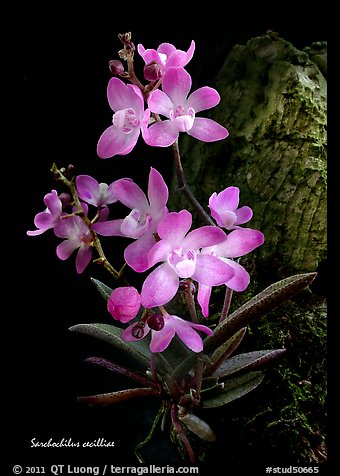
column 124, row 303
column 153, row 71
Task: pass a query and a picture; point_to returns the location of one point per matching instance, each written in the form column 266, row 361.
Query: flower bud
column 124, row 303
column 116, row 67
column 138, row 331
column 65, row 199
column 153, row 71
column 156, row 322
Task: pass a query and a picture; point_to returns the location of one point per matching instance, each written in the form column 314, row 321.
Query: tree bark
column 273, row 102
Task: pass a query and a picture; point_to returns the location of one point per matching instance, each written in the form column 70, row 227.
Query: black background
column 60, row 73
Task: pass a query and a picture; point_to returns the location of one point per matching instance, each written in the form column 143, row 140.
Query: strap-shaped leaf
column 111, row 335
column 120, row 369
column 103, row 290
column 116, row 397
column 247, row 361
column 225, row 350
column 234, row 388
column 256, row 307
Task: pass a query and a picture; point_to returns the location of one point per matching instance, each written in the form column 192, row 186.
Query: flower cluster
column 178, row 264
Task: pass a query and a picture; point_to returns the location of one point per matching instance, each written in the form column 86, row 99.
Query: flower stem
column 191, row 303
column 183, row 187
column 102, row 260
column 149, row 435
column 181, row 433
column 226, row 304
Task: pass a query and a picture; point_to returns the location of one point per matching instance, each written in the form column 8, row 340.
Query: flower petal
column 136, row 254
column 243, row 215
column 83, row 258
column 161, row 134
column 160, row 103
column 113, row 141
column 66, row 248
column 108, row 228
column 166, row 49
column 44, row 220
column 174, row 226
column 207, row 130
column 187, row 334
column 240, row 242
column 181, row 58
column 241, row 279
column 159, row 252
column 159, row 287
column 203, row 298
column 204, row 236
column 203, row 98
column 158, row 195
column 120, row 96
column 176, row 84
column 87, row 188
column 53, row 203
column 228, row 199
column 212, row 271
column 131, row 195
column 161, row 339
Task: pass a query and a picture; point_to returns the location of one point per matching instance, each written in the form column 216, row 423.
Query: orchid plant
column 164, row 326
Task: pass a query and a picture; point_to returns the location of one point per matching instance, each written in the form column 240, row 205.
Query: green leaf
column 234, row 388
column 225, row 350
column 256, row 307
column 247, row 361
column 116, row 397
column 111, row 335
column 104, row 290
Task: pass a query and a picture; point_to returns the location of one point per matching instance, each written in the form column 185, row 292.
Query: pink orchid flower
column 94, row 193
column 180, row 255
column 224, row 208
column 238, row 243
column 180, row 111
column 124, row 303
column 77, row 237
column 141, row 223
column 166, row 56
column 50, row 216
column 160, row 339
column 126, row 100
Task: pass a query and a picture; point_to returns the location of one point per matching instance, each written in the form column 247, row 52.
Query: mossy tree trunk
column 273, row 102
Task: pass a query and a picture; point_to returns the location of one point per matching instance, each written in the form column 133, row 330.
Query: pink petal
column 203, row 98
column 108, row 228
column 120, row 96
column 136, row 254
column 104, row 214
column 161, row 134
column 158, row 195
column 174, row 226
column 207, row 130
column 83, row 258
column 159, row 252
column 202, row 328
column 243, row 215
column 181, row 58
column 87, row 188
column 66, row 248
column 36, row 232
column 53, row 203
column 133, row 227
column 204, row 236
column 241, row 279
column 160, row 103
column 227, row 199
column 203, row 298
column 140, row 49
column 240, row 242
column 44, row 220
column 159, row 287
column 211, row 270
column 161, row 339
column 166, row 48
column 69, row 227
column 113, row 142
column 131, row 195
column 188, row 335
column 176, row 84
